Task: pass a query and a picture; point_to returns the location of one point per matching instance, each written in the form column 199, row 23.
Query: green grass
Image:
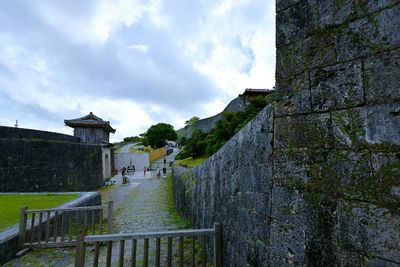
column 191, row 162
column 12, row 203
column 118, row 150
column 135, row 150
column 169, row 192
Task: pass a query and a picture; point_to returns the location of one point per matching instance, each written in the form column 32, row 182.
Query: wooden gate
column 193, row 236
column 59, row 227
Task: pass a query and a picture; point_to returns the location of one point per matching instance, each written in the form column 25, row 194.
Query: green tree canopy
column 135, row 139
column 192, row 121
column 157, row 134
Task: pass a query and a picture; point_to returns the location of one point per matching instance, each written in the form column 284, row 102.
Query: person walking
column 144, row 171
column 158, row 172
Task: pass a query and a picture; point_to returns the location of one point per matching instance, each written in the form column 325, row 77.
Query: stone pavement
column 141, row 206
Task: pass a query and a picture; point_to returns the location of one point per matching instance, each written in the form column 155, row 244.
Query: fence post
column 110, row 217
column 80, row 249
column 217, row 245
column 22, row 227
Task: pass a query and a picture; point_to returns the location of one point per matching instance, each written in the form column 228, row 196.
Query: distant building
column 94, row 130
column 91, row 129
column 250, row 93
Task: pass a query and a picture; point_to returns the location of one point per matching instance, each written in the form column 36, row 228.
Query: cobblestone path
column 145, row 205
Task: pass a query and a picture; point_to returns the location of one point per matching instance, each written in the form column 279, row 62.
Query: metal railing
column 132, row 238
column 59, row 227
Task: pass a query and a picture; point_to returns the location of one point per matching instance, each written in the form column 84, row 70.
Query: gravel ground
column 141, row 206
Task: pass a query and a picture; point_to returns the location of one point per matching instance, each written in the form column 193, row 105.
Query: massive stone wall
column 232, row 188
column 32, row 163
column 337, row 134
column 321, row 189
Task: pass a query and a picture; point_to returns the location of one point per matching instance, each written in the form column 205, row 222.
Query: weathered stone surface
column 315, row 51
column 367, row 126
column 312, row 130
column 291, row 167
column 232, row 188
column 369, row 229
column 328, row 13
column 284, row 4
column 293, row 96
column 292, row 24
column 370, row 35
column 288, row 225
column 337, row 87
column 382, row 74
column 365, row 7
column 43, row 165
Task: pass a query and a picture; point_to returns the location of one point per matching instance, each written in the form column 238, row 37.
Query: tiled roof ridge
column 89, row 120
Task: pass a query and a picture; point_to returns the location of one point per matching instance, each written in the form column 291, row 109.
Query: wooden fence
column 200, row 234
column 59, row 227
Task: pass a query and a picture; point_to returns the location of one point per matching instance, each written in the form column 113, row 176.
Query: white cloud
column 133, row 62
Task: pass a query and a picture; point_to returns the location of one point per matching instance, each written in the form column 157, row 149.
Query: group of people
column 125, row 170
column 131, row 169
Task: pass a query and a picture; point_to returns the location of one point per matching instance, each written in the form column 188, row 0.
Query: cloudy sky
column 132, row 62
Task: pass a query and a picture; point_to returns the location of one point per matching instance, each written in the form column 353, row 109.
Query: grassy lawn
column 12, row 203
column 135, row 150
column 191, row 162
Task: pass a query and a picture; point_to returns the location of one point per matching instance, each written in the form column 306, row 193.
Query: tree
column 192, row 121
column 157, row 134
column 135, row 139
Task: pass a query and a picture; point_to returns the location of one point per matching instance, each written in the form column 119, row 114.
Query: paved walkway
column 142, row 205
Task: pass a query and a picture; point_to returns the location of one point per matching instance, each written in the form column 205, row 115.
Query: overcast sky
column 134, row 63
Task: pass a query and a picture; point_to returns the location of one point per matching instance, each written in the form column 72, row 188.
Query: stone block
column 375, row 126
column 328, row 13
column 291, row 167
column 312, row 131
column 386, row 172
column 381, row 74
column 293, row 96
column 314, row 52
column 337, row 87
column 288, row 228
column 369, row 35
column 288, row 205
column 369, row 229
column 365, row 7
column 292, row 24
column 321, row 235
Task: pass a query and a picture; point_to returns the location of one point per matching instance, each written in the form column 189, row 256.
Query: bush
column 206, row 144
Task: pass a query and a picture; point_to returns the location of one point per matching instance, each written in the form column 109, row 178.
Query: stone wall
column 318, row 184
column 21, row 133
column 233, row 187
column 337, row 134
column 32, row 163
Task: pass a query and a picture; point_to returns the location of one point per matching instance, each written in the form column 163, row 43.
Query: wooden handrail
column 54, row 227
column 215, row 233
column 89, row 208
column 129, row 236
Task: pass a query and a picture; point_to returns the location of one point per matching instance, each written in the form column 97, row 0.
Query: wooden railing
column 132, row 238
column 59, row 227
